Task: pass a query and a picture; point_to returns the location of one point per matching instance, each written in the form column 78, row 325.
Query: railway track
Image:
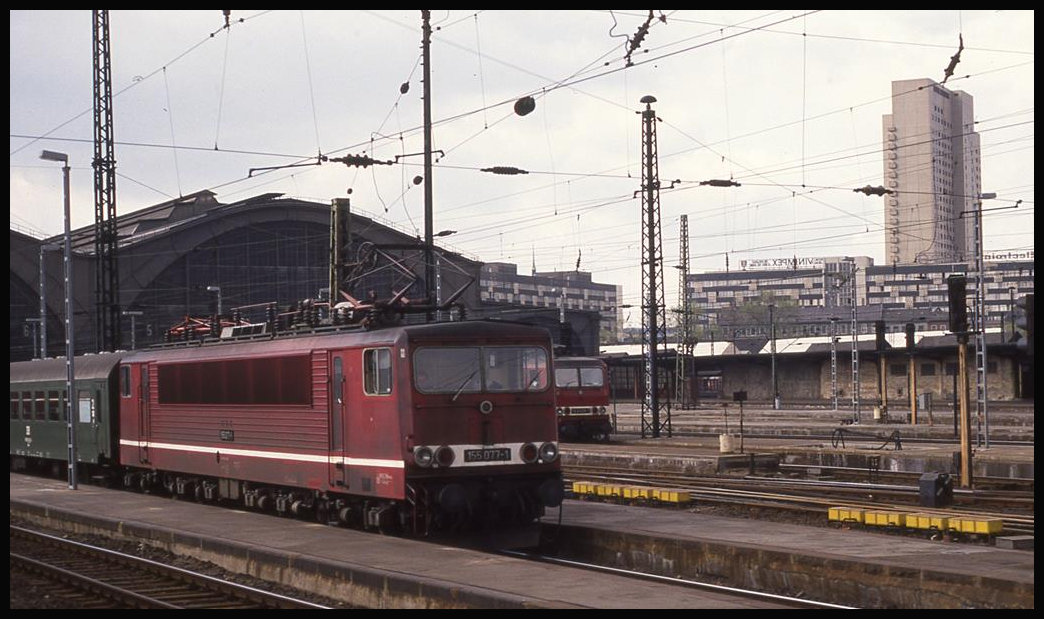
column 774, row 600
column 1015, row 509
column 93, row 577
column 826, row 436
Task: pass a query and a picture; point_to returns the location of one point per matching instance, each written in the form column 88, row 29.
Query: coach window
column 53, row 406
column 27, row 405
column 377, row 372
column 125, row 386
column 86, row 407
column 39, row 406
column 16, row 405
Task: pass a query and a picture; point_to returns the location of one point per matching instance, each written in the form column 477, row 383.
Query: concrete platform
column 853, row 567
column 362, row 569
column 374, row 571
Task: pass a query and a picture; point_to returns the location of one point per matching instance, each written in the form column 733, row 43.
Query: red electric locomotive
column 410, row 429
column 581, row 398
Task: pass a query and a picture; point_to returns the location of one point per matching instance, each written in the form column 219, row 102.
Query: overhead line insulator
column 873, row 191
column 504, row 170
column 360, row 161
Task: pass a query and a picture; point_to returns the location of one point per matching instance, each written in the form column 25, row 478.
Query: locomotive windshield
column 578, row 377
column 459, row 370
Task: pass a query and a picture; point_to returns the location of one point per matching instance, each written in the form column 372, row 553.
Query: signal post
column 958, row 302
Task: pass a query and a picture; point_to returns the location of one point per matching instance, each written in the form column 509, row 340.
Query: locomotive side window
column 377, row 371
column 338, row 380
column 16, row 405
column 125, row 386
column 277, row 380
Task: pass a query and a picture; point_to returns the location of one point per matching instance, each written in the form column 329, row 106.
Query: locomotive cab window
column 490, row 369
column 591, row 377
column 567, row 377
column 377, row 371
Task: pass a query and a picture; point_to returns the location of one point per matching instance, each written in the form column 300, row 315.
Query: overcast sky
column 786, row 103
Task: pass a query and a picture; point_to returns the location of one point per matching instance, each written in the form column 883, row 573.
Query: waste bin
column 936, row 489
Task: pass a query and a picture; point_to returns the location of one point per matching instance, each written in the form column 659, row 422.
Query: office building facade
column 932, row 167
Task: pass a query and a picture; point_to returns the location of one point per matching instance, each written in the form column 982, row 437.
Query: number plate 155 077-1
column 491, row 454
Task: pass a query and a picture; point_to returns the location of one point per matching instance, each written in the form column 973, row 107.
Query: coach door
column 338, row 418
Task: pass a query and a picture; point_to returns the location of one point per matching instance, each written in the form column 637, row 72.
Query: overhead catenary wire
column 173, row 142
column 568, row 179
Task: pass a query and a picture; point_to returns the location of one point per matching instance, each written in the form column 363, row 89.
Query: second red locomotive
column 581, row 398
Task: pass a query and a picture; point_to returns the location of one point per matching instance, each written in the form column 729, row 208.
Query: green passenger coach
column 39, row 427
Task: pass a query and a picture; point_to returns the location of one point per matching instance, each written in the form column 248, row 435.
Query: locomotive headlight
column 548, row 452
column 444, row 456
column 529, row 453
column 423, row 456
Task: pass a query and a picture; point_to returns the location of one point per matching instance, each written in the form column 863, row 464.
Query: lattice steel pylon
column 980, row 334
column 654, row 321
column 107, row 280
column 683, row 364
column 855, row 353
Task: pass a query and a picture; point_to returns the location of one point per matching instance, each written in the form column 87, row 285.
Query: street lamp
column 70, row 373
column 438, row 276
column 216, row 289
